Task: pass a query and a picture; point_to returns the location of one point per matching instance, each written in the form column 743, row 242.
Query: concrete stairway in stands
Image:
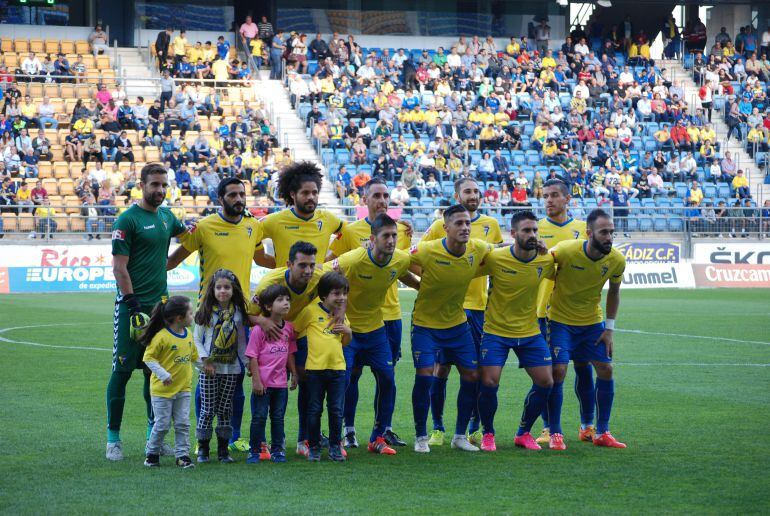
column 756, row 177
column 292, row 132
column 132, row 66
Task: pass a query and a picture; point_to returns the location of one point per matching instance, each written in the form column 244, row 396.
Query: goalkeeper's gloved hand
column 132, row 303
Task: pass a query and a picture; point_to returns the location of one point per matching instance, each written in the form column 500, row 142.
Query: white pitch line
column 39, row 345
column 691, row 364
column 686, row 336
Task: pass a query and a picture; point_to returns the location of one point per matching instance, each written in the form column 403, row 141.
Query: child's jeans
column 331, row 385
column 273, row 401
column 166, row 410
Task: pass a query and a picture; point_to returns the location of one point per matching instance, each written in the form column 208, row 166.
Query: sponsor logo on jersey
column 578, row 267
column 222, row 233
column 442, row 262
column 508, row 271
column 151, row 226
column 118, row 234
column 291, row 227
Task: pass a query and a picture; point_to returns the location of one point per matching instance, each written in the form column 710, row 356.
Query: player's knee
column 470, row 375
column 424, row 371
column 603, row 370
column 441, row 370
column 559, row 373
column 490, row 381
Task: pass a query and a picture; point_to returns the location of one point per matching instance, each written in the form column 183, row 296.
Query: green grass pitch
column 692, row 386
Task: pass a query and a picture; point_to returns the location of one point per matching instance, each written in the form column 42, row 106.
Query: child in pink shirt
column 268, row 363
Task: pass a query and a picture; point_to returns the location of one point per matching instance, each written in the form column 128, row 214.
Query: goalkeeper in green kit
column 140, row 240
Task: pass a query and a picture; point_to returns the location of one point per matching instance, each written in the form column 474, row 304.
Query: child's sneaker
column 324, row 441
column 253, row 457
column 184, row 462
column 152, row 460
column 203, row 452
column 314, row 454
column 335, row 454
column 302, row 448
column 223, row 452
column 278, row 456
column 264, row 453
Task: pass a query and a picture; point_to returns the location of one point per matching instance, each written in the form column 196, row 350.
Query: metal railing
column 683, row 223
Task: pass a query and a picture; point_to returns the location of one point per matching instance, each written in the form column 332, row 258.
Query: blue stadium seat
column 660, row 223
column 645, row 223
column 675, row 224
column 723, row 190
column 421, row 223
column 633, row 224
column 681, row 190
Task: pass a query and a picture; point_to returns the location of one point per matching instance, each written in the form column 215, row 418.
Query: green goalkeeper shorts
column 127, row 354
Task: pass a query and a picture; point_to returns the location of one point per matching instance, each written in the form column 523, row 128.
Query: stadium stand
column 73, row 142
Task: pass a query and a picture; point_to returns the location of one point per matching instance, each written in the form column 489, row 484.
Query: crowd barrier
column 82, row 267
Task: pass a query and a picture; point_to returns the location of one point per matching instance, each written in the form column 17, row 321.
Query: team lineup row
column 476, row 301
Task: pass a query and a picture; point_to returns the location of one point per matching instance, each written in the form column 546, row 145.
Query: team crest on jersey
column 539, row 272
column 336, row 264
column 416, row 355
column 165, row 225
column 483, row 353
column 604, row 270
column 118, row 234
column 174, row 347
column 392, row 275
column 486, row 230
column 320, row 224
column 576, row 234
column 122, row 359
column 470, row 260
column 556, row 352
column 248, row 230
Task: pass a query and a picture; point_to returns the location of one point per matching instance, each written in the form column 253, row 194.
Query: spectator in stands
column 98, row 40
column 123, row 148
column 90, row 213
column 24, row 198
column 741, row 186
column 8, row 192
column 277, row 48
column 620, row 204
column 91, row 149
column 265, row 31
column 62, row 68
column 46, row 223
column 46, row 114
column 319, row 49
column 248, row 31
column 31, row 68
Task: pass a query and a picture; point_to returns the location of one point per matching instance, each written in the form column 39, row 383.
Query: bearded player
column 556, row 227
column 577, row 328
column 484, row 228
column 140, row 240
column 353, row 236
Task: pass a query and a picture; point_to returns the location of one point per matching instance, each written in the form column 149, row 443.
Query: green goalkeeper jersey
column 145, row 237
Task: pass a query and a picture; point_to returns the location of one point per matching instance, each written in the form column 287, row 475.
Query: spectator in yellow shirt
column 179, row 45
column 741, row 185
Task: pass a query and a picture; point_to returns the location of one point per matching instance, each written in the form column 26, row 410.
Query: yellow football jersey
column 552, row 233
column 513, row 287
column 299, row 299
column 324, row 348
column 444, row 280
column 175, row 353
column 224, row 245
column 579, row 280
column 357, row 235
column 369, row 284
column 286, row 227
column 484, row 228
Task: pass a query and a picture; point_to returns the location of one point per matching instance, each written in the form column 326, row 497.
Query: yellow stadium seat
column 10, row 223
column 67, row 46
column 26, row 222
column 102, row 62
column 51, row 186
column 77, row 223
column 82, row 47
column 36, row 45
column 62, row 223
column 11, row 60
column 61, row 169
column 35, row 90
column 82, row 91
column 52, row 46
column 21, row 46
column 6, row 45
column 151, row 154
column 67, row 92
column 51, row 90
column 66, row 186
column 44, row 170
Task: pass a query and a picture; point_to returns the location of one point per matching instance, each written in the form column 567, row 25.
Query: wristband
column 609, row 324
column 132, row 302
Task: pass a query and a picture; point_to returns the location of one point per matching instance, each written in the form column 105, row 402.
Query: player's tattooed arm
column 264, row 260
column 177, row 257
column 410, row 280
